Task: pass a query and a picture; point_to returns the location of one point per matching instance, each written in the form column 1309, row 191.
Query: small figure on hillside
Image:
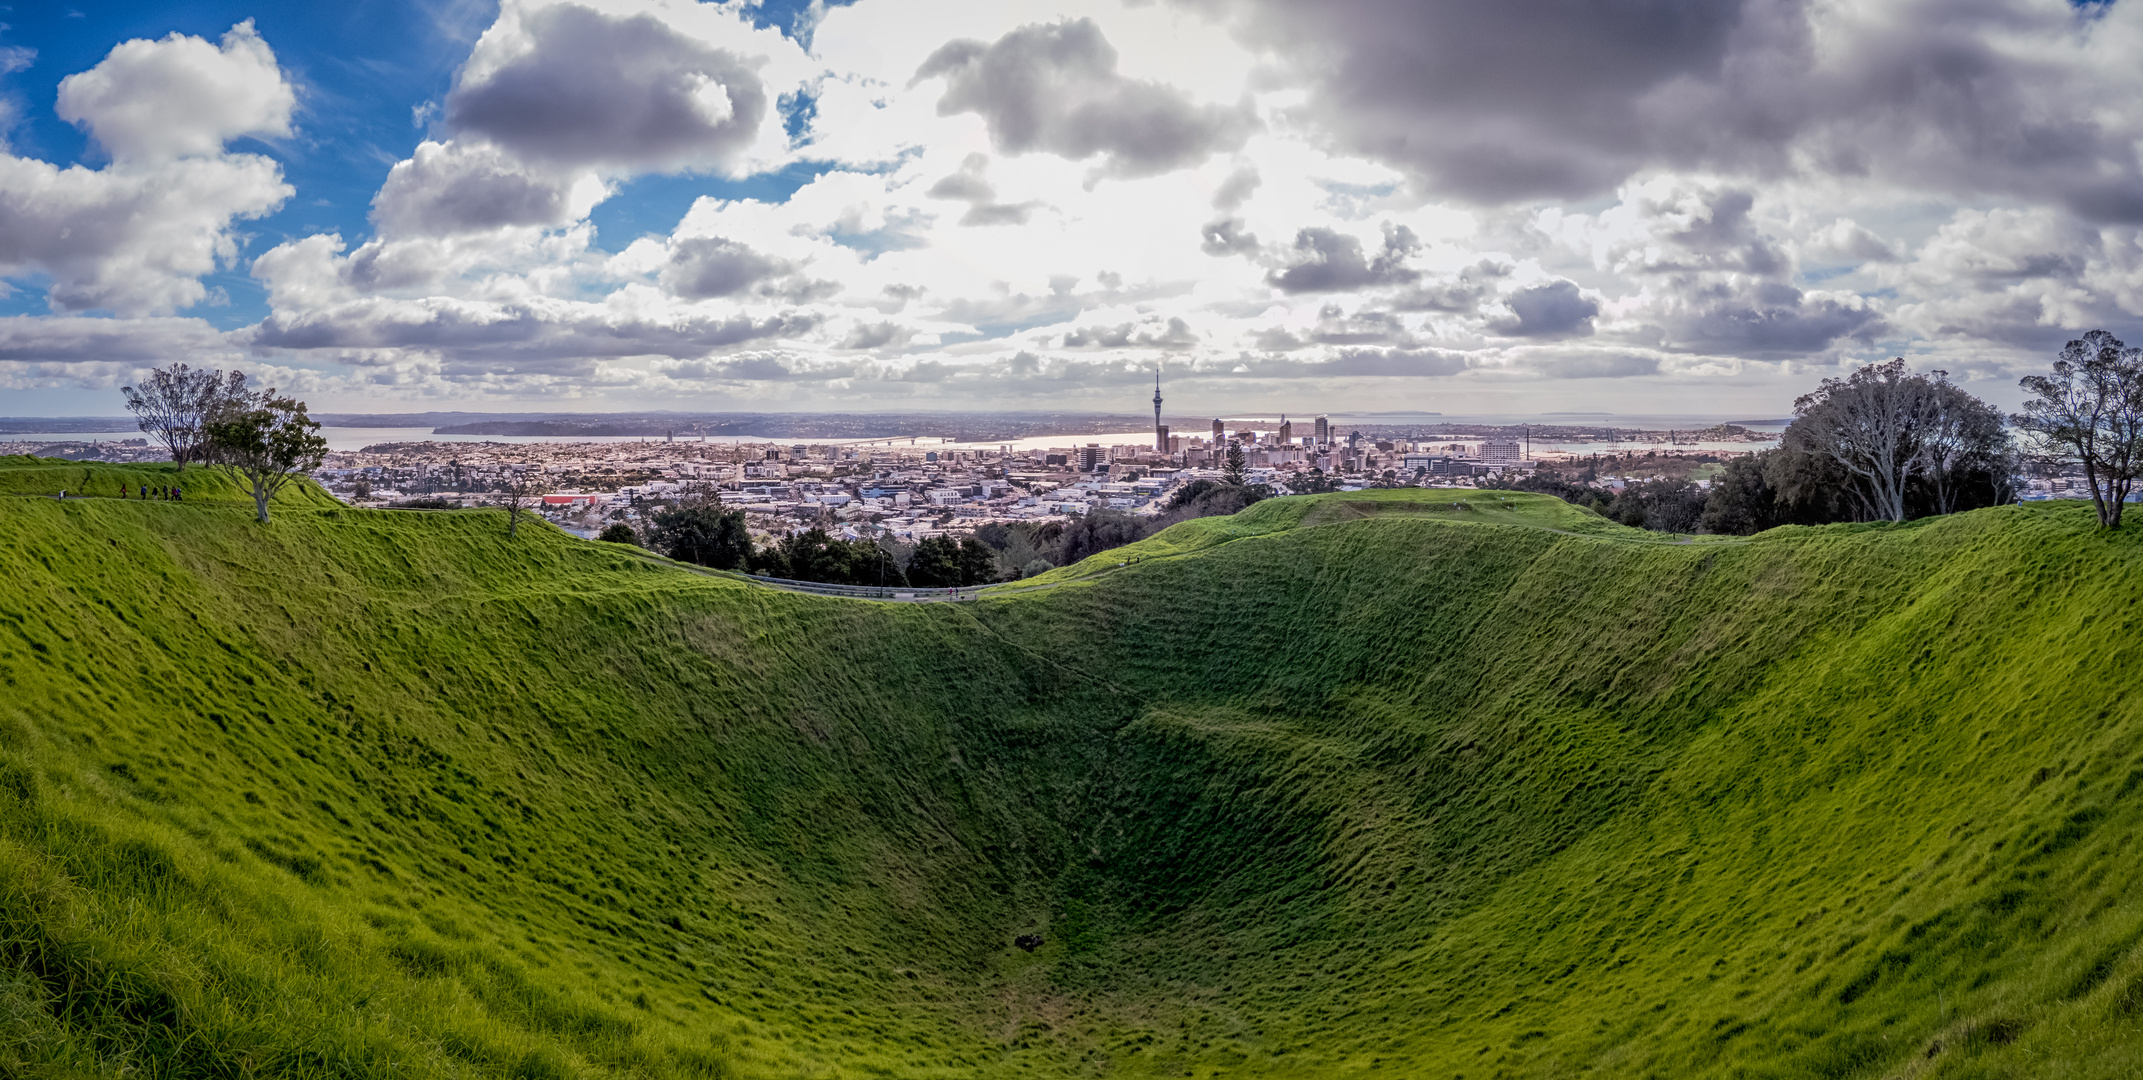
column 63, row 494
column 177, row 495
column 1028, row 942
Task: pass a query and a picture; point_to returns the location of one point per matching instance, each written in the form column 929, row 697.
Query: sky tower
column 1160, row 430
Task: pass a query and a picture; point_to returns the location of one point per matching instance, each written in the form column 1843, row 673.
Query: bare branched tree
column 174, row 404
column 1909, row 442
column 2089, row 411
column 1867, row 423
column 514, row 496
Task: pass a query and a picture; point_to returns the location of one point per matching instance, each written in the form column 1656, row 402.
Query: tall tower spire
column 1160, row 434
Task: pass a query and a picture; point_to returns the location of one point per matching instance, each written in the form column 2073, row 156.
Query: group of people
column 165, row 492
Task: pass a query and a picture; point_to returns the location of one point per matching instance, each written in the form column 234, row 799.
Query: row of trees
column 202, row 417
column 1883, row 444
column 702, row 531
column 1889, row 444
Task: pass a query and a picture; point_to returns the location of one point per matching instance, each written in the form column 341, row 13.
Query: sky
column 1659, row 207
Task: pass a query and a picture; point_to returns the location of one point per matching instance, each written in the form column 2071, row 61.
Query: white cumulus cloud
column 180, row 96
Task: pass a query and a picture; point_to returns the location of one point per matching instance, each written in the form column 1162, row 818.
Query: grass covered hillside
column 1382, row 783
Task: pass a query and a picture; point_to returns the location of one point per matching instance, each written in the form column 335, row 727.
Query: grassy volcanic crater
column 1404, row 783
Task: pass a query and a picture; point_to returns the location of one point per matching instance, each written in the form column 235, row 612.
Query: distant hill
column 1407, row 783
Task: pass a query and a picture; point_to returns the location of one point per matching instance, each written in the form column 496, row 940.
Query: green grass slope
column 1362, row 784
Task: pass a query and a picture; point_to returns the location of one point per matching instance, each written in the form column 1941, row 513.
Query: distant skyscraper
column 1287, row 430
column 1324, row 430
column 1219, row 432
column 1160, row 433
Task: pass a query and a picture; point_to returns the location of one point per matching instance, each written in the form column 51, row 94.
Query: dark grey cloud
column 448, row 189
column 1533, row 99
column 601, row 90
column 1554, row 309
column 1328, row 261
column 1239, row 186
column 967, row 185
column 1176, row 334
column 1699, row 230
column 712, row 267
column 1590, row 365
column 706, row 267
column 514, row 338
column 877, row 335
column 1357, row 362
column 1717, row 282
column 1228, row 236
column 1497, row 102
column 113, row 344
column 1459, row 293
column 1778, row 320
column 1990, row 97
column 1336, row 326
column 971, row 185
column 758, row 367
column 897, row 297
column 999, row 213
column 1054, row 88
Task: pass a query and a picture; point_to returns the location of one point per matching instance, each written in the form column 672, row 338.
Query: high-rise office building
column 1324, row 430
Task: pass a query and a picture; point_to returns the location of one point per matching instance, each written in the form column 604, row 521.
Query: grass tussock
column 1376, row 783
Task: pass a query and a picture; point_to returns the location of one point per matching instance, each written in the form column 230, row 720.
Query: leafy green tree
column 935, row 564
column 1741, row 502
column 702, row 533
column 1098, row 531
column 813, row 555
column 1206, row 498
column 1665, row 504
column 1189, row 493
column 620, row 533
column 1231, row 469
column 875, row 563
column 2088, row 412
column 1312, row 481
column 1015, row 545
column 1812, row 489
column 266, row 442
column 978, row 563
